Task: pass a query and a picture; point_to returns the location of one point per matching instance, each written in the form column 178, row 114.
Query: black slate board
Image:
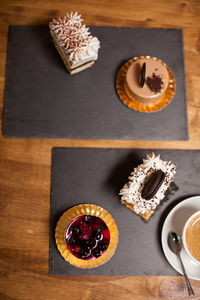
column 43, row 101
column 96, row 176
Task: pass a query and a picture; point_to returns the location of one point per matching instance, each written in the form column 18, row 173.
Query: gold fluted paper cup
column 129, row 101
column 64, row 222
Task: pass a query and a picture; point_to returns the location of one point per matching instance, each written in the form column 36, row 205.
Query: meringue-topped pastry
column 147, row 185
column 76, row 46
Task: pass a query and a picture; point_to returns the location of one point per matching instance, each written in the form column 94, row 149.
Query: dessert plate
column 175, row 222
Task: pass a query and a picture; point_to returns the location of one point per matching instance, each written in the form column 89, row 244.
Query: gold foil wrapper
column 66, row 219
column 129, row 101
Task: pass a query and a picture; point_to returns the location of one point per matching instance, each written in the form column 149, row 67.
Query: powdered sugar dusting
column 131, row 192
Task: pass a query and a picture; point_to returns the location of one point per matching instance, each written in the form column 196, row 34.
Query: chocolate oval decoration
column 153, row 184
column 143, row 74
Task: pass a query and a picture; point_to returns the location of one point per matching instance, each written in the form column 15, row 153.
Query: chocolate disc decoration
column 153, row 184
column 143, row 74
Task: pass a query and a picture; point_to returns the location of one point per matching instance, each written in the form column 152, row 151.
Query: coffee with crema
column 192, row 237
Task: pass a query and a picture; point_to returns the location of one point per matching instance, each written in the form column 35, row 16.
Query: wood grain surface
column 25, row 164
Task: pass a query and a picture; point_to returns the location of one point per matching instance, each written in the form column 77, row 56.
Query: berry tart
column 86, row 236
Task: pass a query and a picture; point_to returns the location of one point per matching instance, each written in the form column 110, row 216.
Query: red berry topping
column 87, row 237
column 84, row 227
column 95, row 227
column 75, row 229
column 97, row 253
column 91, row 243
column 76, row 249
column 103, row 245
column 98, row 235
column 106, row 234
column 87, row 219
column 85, row 253
column 72, row 241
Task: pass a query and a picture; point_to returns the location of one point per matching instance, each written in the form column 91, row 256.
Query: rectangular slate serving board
column 81, row 175
column 43, row 101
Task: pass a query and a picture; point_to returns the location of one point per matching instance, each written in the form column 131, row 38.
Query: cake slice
column 76, row 46
column 148, row 185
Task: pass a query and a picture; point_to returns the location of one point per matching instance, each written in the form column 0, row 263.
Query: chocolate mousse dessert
column 147, row 186
column 146, row 80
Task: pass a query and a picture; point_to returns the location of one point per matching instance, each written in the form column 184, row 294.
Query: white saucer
column 175, row 222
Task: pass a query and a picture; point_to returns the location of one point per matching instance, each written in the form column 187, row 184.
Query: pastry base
column 146, row 216
column 63, row 56
column 132, row 103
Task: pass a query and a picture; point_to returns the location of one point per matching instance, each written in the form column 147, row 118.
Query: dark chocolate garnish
column 143, row 75
column 168, row 194
column 154, row 83
column 153, row 184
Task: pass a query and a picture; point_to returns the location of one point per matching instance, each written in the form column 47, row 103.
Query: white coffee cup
column 191, row 237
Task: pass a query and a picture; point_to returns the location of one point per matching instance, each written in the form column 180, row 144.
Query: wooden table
column 25, row 164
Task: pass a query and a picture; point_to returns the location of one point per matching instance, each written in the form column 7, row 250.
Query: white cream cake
column 76, row 46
